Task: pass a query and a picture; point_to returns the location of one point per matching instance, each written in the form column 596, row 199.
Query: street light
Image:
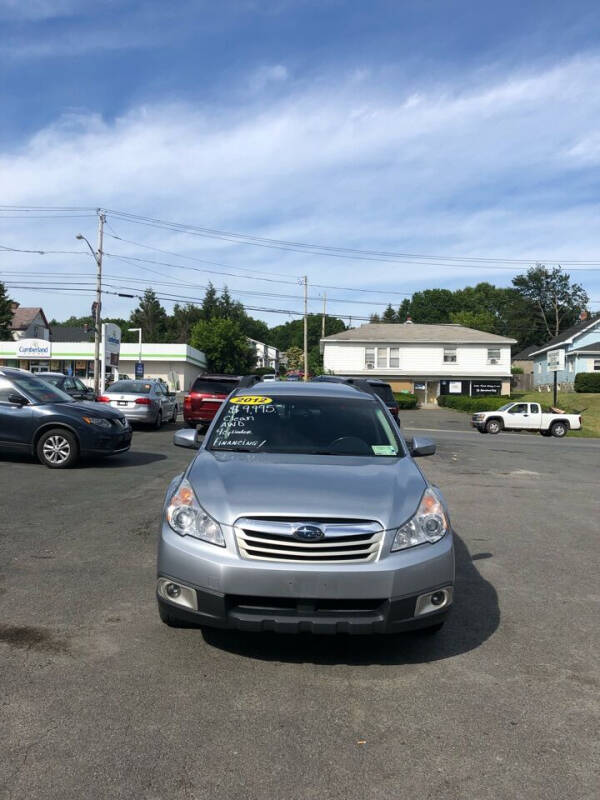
column 139, row 332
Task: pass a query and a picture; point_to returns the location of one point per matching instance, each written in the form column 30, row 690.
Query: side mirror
column 17, row 399
column 187, row 438
column 420, row 446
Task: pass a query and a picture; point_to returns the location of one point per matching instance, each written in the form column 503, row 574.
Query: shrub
column 405, row 400
column 471, row 404
column 587, row 382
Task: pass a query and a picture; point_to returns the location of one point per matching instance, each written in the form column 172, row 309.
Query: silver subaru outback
column 304, row 510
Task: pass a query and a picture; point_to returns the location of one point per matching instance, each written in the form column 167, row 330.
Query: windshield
column 316, row 425
column 203, row 386
column 130, row 387
column 505, row 407
column 41, row 391
column 54, row 379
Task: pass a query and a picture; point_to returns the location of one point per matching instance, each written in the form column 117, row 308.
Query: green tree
column 151, row 317
column 389, row 315
column 6, row 314
column 404, row 310
column 225, row 346
column 181, row 322
column 480, row 320
column 292, row 333
column 557, row 302
column 210, row 304
column 295, row 357
column 432, row 306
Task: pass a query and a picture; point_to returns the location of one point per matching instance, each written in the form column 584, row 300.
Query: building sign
column 139, row 370
column 419, row 386
column 479, row 388
column 556, row 360
column 111, row 335
column 33, row 349
column 455, row 387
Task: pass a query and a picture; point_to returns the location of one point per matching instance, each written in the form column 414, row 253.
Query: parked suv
column 38, row 418
column 380, row 388
column 205, row 398
column 305, row 511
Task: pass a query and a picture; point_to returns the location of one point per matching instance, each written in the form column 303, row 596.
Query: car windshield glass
column 295, row 424
column 41, row 391
column 505, row 406
column 385, row 393
column 130, row 387
column 55, row 380
column 203, row 386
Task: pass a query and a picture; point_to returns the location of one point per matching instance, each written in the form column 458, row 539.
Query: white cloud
column 478, row 172
column 265, row 75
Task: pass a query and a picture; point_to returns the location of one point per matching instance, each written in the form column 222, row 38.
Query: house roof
column 593, row 347
column 567, row 336
column 525, row 354
column 66, row 333
column 23, row 316
column 414, row 333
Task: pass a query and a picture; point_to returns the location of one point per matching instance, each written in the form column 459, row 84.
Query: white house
column 28, row 323
column 428, row 360
column 266, row 355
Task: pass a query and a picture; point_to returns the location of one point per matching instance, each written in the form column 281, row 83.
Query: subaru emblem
column 308, row 533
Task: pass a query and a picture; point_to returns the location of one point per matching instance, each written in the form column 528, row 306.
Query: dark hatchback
column 38, row 418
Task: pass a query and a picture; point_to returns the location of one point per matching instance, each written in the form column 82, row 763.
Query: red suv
column 205, row 398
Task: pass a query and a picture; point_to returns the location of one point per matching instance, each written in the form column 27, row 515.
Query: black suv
column 382, row 389
column 38, row 418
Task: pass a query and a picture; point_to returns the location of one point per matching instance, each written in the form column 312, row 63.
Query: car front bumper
column 108, row 444
column 228, row 591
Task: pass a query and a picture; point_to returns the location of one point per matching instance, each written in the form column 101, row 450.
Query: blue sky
column 461, row 129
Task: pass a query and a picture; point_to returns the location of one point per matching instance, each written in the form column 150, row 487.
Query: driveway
column 100, row 700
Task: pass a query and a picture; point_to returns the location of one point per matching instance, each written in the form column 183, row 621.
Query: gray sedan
column 146, row 401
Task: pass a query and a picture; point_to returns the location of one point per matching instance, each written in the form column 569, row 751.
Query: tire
column 158, row 423
column 58, row 449
column 175, row 412
column 559, row 429
column 493, row 426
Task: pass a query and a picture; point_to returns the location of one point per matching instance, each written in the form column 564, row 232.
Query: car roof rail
column 362, row 385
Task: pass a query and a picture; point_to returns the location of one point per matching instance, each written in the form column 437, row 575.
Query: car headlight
column 429, row 524
column 187, row 517
column 99, row 421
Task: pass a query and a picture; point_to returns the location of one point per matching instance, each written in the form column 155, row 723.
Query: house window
column 597, row 365
column 382, row 358
column 394, row 357
column 370, row 357
column 493, row 355
column 449, row 355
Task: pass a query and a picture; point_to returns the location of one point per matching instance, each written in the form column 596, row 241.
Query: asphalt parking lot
column 100, row 700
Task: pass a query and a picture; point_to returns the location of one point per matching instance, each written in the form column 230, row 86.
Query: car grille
column 344, row 542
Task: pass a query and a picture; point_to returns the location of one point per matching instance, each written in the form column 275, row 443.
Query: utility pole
column 305, row 328
column 98, row 304
column 324, row 314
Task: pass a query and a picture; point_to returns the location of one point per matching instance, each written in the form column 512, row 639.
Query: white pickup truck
column 525, row 417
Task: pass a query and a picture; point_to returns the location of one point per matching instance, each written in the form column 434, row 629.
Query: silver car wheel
column 56, row 449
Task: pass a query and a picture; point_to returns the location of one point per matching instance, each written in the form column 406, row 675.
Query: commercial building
column 577, row 349
column 429, row 360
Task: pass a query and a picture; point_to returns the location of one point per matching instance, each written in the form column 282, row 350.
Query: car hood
column 233, row 485
column 85, row 409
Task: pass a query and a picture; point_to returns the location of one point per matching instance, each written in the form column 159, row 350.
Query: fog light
column 437, row 598
column 173, row 590
column 177, row 593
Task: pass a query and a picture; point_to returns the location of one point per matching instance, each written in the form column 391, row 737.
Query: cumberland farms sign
column 33, row 349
